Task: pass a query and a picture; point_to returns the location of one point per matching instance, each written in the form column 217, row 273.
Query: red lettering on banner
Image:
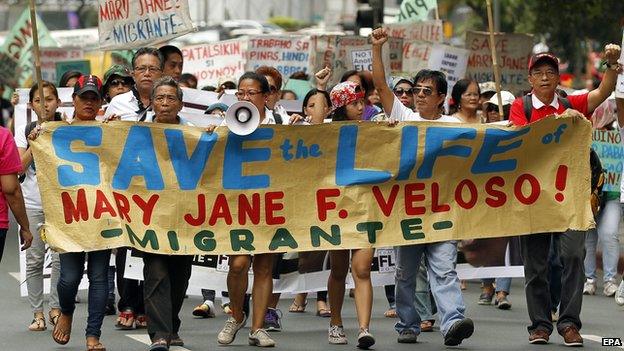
column 498, row 198
column 411, row 198
column 114, row 10
column 271, row 207
column 248, row 209
column 459, row 194
column 535, row 189
column 221, row 209
column 201, row 212
column 146, row 206
column 386, row 206
column 435, row 196
column 123, row 206
column 322, row 205
column 75, row 211
column 102, row 205
column 150, row 6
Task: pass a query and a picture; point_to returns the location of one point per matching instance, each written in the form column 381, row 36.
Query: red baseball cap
column 545, row 57
column 88, row 83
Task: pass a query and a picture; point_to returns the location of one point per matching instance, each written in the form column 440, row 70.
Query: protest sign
column 299, row 86
column 416, row 10
column 211, row 63
column 24, row 114
column 450, row 60
column 51, row 56
column 288, row 54
column 418, row 39
column 514, row 51
column 16, row 55
column 83, row 66
column 125, row 24
column 178, row 190
column 619, row 88
column 608, row 146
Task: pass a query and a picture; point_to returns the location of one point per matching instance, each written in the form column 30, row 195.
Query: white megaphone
column 242, row 118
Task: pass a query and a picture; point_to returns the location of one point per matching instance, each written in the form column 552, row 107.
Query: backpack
column 597, row 172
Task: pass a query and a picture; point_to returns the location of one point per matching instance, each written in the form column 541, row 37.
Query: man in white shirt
column 147, row 67
column 430, row 92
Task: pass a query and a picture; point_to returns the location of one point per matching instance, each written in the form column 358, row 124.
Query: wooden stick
column 35, row 38
column 497, row 77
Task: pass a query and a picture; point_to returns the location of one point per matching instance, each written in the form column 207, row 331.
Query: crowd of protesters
column 426, row 283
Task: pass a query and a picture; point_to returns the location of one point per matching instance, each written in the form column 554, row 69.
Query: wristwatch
column 614, row 66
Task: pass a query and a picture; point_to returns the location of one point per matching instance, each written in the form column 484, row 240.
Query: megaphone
column 242, row 118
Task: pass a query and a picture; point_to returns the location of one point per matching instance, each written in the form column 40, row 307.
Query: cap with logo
column 88, row 83
column 544, row 57
column 117, row 70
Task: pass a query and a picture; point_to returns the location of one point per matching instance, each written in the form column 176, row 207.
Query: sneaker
column 205, row 310
column 486, row 298
column 571, row 336
column 176, row 340
column 460, row 330
column 619, row 295
column 407, row 336
column 589, row 288
column 538, row 336
column 272, row 320
column 228, row 333
column 365, row 339
column 501, row 302
column 261, row 338
column 110, row 309
column 336, row 335
column 610, row 288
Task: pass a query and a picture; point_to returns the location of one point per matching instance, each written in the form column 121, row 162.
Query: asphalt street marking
column 15, row 275
column 598, row 339
column 142, row 338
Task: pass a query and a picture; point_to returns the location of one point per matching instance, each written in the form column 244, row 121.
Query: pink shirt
column 10, row 163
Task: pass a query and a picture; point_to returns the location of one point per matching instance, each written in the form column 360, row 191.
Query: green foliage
column 287, row 23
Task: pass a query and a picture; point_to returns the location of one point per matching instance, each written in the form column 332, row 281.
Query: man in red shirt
column 570, row 245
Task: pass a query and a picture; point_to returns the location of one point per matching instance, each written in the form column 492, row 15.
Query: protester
column 365, row 83
column 274, row 77
column 430, row 90
column 347, row 102
column 147, row 65
column 36, row 254
column 69, row 79
column 403, row 88
column 6, row 108
column 218, row 108
column 11, row 193
column 173, row 62
column 188, row 80
column 491, row 107
column 252, row 87
column 87, row 101
column 117, row 80
column 166, row 276
column 619, row 102
column 465, row 101
column 288, row 95
column 543, row 100
column 316, row 106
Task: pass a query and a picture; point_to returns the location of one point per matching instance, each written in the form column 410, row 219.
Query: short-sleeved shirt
column 10, row 163
column 403, row 113
column 540, row 110
column 126, row 106
column 30, row 187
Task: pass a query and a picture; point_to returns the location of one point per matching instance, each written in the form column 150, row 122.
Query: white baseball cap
column 507, row 97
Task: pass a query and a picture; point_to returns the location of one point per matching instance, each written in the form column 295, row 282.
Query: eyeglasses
column 401, row 91
column 116, row 82
column 539, row 74
column 162, row 98
column 424, row 90
column 251, row 93
column 142, row 69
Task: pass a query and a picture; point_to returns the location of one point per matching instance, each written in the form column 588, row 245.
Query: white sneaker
column 589, row 288
column 610, row 287
column 365, row 339
column 261, row 338
column 619, row 295
column 228, row 333
column 336, row 335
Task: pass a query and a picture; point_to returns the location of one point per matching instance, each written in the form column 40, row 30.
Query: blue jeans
column 72, row 266
column 607, row 231
column 502, row 284
column 425, row 306
column 441, row 258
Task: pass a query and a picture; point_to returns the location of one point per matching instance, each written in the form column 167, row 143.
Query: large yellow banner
column 178, row 190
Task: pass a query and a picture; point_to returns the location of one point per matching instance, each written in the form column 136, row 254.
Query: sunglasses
column 401, row 91
column 426, row 91
column 116, row 82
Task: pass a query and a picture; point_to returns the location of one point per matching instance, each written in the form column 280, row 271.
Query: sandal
column 96, row 347
column 390, row 313
column 54, row 315
column 426, row 326
column 323, row 312
column 159, row 345
column 63, row 333
column 128, row 316
column 37, row 324
column 141, row 321
column 297, row 308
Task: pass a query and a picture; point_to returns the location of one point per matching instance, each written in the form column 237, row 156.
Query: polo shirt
column 540, row 110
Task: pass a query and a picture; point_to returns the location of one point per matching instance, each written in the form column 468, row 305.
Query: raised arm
column 378, row 38
column 597, row 96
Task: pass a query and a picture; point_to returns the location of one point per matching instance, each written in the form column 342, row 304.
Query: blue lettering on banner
column 346, row 173
column 138, row 160
column 434, row 146
column 145, row 29
column 62, row 139
column 490, row 147
column 409, row 152
column 236, row 155
column 189, row 170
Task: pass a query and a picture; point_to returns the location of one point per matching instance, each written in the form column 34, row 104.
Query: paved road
column 495, row 329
